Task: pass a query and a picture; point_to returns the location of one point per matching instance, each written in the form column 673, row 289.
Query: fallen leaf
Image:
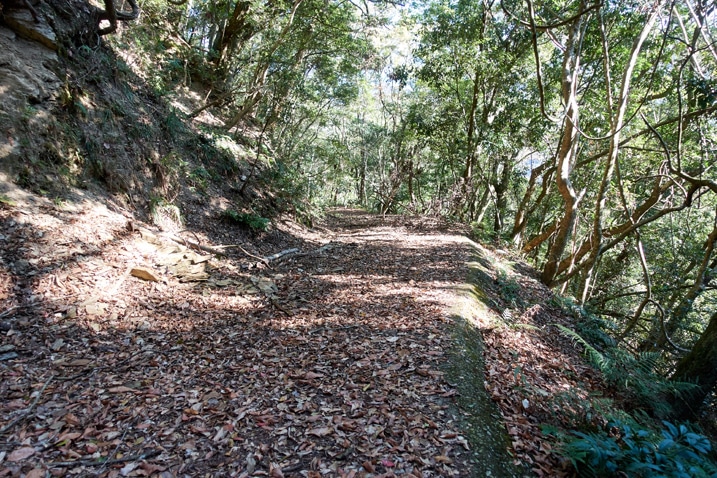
column 145, row 273
column 21, row 454
column 120, row 389
column 128, row 468
column 320, row 431
column 275, row 471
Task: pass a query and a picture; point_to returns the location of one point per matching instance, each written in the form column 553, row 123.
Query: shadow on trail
column 339, row 370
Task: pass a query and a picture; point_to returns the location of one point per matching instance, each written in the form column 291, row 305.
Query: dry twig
column 125, row 459
column 28, row 410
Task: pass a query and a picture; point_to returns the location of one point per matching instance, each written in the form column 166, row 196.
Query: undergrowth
column 639, row 451
column 628, row 441
column 254, row 222
column 634, row 376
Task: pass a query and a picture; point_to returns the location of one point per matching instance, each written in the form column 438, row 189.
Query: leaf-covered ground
column 325, row 362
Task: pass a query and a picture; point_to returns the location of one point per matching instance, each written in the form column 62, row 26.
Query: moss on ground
column 479, row 418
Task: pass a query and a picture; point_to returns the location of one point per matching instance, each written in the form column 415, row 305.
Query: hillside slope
column 76, row 117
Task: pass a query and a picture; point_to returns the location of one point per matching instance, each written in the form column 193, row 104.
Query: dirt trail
column 329, row 362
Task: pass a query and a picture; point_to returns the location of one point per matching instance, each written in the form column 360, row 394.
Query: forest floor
column 346, row 358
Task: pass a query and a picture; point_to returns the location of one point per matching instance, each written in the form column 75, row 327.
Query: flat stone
column 96, row 309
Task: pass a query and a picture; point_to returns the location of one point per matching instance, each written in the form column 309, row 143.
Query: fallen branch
column 119, row 442
column 195, row 245
column 125, row 459
column 278, row 255
column 247, row 252
column 321, row 249
column 28, row 410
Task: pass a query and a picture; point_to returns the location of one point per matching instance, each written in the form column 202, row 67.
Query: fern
column 648, row 361
column 637, row 376
column 252, row 221
column 599, row 360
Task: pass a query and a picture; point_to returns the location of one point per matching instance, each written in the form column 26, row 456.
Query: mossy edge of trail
column 478, row 417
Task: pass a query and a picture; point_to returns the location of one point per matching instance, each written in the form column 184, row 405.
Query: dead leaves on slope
column 538, row 378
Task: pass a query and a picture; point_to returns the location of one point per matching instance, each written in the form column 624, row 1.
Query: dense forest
column 580, row 135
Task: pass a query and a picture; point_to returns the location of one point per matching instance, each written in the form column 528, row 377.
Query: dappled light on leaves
column 310, row 372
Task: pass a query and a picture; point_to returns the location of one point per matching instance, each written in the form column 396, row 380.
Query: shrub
column 252, row 221
column 635, row 376
column 640, row 452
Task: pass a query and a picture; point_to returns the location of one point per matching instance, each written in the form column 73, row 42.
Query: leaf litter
column 327, row 363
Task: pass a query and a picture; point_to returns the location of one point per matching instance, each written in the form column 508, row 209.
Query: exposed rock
column 96, row 308
column 188, row 272
column 22, row 23
column 27, row 82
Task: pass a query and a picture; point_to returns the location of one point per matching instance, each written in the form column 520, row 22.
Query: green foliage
column 218, row 154
column 636, row 376
column 173, row 124
column 640, row 452
column 509, row 289
column 593, row 328
column 6, row 201
column 252, row 221
column 198, row 178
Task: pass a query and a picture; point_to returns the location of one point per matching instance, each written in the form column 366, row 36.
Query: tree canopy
column 581, row 133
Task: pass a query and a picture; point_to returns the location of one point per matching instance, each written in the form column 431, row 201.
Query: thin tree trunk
column 703, row 278
column 616, row 125
column 567, row 152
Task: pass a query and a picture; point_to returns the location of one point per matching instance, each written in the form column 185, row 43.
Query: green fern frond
column 596, row 358
column 648, row 361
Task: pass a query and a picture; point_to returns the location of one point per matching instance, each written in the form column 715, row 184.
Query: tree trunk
column 699, row 367
column 567, row 152
column 411, row 194
column 234, row 31
column 617, row 123
column 524, row 210
column 501, row 197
